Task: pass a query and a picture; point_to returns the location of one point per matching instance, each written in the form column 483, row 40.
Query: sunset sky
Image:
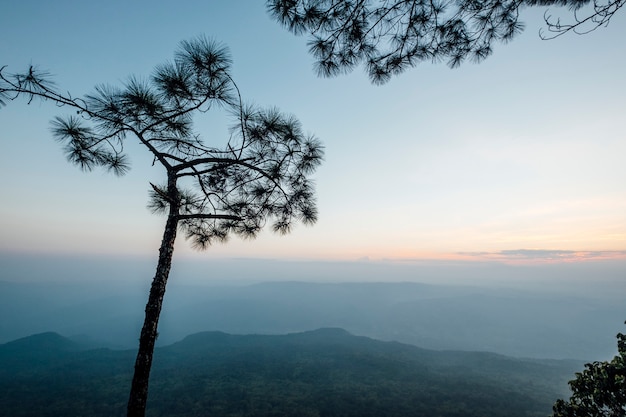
column 520, row 157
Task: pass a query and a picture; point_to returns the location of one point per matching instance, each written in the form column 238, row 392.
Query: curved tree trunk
column 143, row 363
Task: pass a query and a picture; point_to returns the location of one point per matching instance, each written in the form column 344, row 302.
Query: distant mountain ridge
column 441, row 317
column 45, row 342
column 321, row 372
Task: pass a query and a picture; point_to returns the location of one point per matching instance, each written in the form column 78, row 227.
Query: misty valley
column 442, row 317
column 299, row 348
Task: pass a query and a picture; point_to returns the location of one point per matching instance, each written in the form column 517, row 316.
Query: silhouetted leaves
column 261, row 174
column 388, row 37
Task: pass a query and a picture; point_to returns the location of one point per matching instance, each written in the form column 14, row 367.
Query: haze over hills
column 542, row 311
column 512, row 322
column 323, row 372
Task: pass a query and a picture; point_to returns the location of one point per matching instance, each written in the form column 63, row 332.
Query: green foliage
column 598, row 391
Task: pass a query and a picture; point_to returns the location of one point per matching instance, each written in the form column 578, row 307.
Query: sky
column 517, row 159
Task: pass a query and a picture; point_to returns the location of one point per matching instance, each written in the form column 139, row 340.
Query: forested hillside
column 327, row 372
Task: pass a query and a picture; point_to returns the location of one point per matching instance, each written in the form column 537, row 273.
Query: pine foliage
column 261, row 174
column 389, row 36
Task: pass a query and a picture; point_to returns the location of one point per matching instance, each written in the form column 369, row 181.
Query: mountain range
column 453, row 317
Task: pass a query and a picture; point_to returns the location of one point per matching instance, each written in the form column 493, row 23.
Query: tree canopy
column 389, row 36
column 598, row 391
column 260, row 173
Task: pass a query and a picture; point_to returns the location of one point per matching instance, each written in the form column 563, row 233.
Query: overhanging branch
column 208, row 217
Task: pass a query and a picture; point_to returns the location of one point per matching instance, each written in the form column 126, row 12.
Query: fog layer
column 550, row 311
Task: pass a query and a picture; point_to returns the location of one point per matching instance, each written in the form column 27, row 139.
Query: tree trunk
column 139, row 389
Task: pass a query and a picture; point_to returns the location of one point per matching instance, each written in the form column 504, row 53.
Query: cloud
column 539, row 253
column 549, row 255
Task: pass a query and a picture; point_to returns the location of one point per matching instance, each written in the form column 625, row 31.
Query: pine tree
column 261, row 175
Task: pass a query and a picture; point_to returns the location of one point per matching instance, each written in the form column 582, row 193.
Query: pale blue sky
column 523, row 151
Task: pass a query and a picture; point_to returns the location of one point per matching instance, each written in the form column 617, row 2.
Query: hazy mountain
column 513, row 322
column 324, row 372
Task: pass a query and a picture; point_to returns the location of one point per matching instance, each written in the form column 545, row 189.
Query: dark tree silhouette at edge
column 390, row 36
column 261, row 175
column 599, row 390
